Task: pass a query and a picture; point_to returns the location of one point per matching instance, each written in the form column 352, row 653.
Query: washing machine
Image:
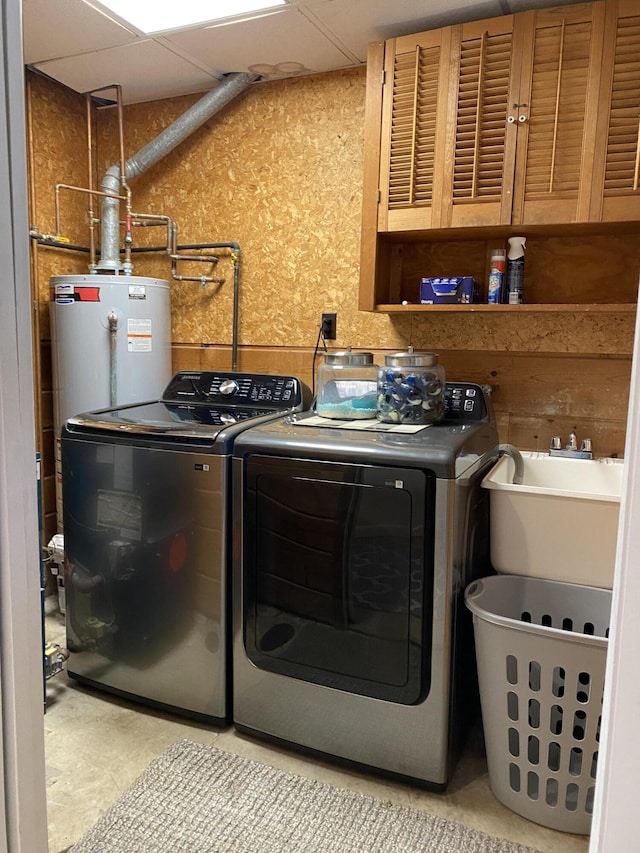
column 354, row 542
column 146, row 496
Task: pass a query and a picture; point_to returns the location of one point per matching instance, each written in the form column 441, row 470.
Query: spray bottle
column 495, row 293
column 515, row 269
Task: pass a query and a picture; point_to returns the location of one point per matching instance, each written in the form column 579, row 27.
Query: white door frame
column 23, row 823
column 617, row 803
column 23, row 810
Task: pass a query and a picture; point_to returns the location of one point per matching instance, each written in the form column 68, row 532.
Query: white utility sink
column 561, row 523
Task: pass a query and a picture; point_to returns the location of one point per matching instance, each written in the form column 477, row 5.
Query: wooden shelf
column 576, row 308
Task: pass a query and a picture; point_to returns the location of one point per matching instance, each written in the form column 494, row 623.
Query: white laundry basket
column 541, row 649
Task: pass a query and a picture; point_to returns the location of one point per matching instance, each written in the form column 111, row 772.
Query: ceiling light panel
column 151, row 16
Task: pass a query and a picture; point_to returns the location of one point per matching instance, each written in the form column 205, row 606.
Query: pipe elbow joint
column 111, row 180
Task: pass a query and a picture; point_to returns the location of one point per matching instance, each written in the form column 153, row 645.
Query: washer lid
column 201, row 423
column 203, row 408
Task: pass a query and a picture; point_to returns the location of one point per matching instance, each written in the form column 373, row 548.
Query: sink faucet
column 571, row 450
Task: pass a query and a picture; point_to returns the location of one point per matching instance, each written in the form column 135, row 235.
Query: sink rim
column 538, row 459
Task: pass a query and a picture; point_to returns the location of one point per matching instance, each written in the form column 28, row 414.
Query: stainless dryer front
column 353, row 545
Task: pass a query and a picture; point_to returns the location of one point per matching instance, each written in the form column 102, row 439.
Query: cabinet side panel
column 372, row 119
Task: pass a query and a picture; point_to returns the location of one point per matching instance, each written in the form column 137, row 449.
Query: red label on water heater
column 88, row 294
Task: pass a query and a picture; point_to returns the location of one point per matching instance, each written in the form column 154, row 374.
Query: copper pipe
column 123, row 178
column 148, row 219
column 78, row 190
column 90, row 213
column 123, row 182
column 118, row 89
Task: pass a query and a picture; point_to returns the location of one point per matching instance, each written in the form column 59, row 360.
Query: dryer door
column 338, row 574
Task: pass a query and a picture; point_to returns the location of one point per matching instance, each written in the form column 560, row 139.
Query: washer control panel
column 464, row 401
column 235, row 389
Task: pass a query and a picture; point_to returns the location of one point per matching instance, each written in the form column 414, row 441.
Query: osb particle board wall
column 279, row 171
column 57, row 153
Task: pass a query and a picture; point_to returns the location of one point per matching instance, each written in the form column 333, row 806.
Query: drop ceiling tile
column 56, row 28
column 146, row 71
column 358, row 22
column 82, row 47
column 280, row 44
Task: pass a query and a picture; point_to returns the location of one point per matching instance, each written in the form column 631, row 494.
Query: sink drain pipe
column 518, row 461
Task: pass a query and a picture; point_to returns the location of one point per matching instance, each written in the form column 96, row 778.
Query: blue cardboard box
column 448, row 291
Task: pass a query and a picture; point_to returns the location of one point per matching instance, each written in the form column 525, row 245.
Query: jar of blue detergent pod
column 347, row 386
column 410, row 388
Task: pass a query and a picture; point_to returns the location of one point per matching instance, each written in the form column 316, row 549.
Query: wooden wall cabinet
column 523, row 124
column 616, row 174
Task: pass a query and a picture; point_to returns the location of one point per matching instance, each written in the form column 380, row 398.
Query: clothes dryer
column 147, row 538
column 354, row 544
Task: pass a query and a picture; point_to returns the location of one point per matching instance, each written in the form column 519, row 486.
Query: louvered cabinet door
column 617, row 186
column 414, row 124
column 479, row 169
column 558, row 113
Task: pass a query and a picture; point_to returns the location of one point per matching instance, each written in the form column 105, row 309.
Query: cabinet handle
column 521, row 117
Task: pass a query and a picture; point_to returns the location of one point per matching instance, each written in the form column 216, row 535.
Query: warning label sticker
column 139, row 337
column 65, row 294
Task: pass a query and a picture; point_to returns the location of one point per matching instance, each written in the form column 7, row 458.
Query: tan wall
column 279, row 171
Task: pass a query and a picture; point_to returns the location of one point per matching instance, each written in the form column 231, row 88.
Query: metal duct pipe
column 232, row 86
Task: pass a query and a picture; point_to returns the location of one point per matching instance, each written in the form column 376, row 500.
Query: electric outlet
column 329, row 327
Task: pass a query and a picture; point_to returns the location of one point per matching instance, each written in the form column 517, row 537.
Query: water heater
column 111, row 344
